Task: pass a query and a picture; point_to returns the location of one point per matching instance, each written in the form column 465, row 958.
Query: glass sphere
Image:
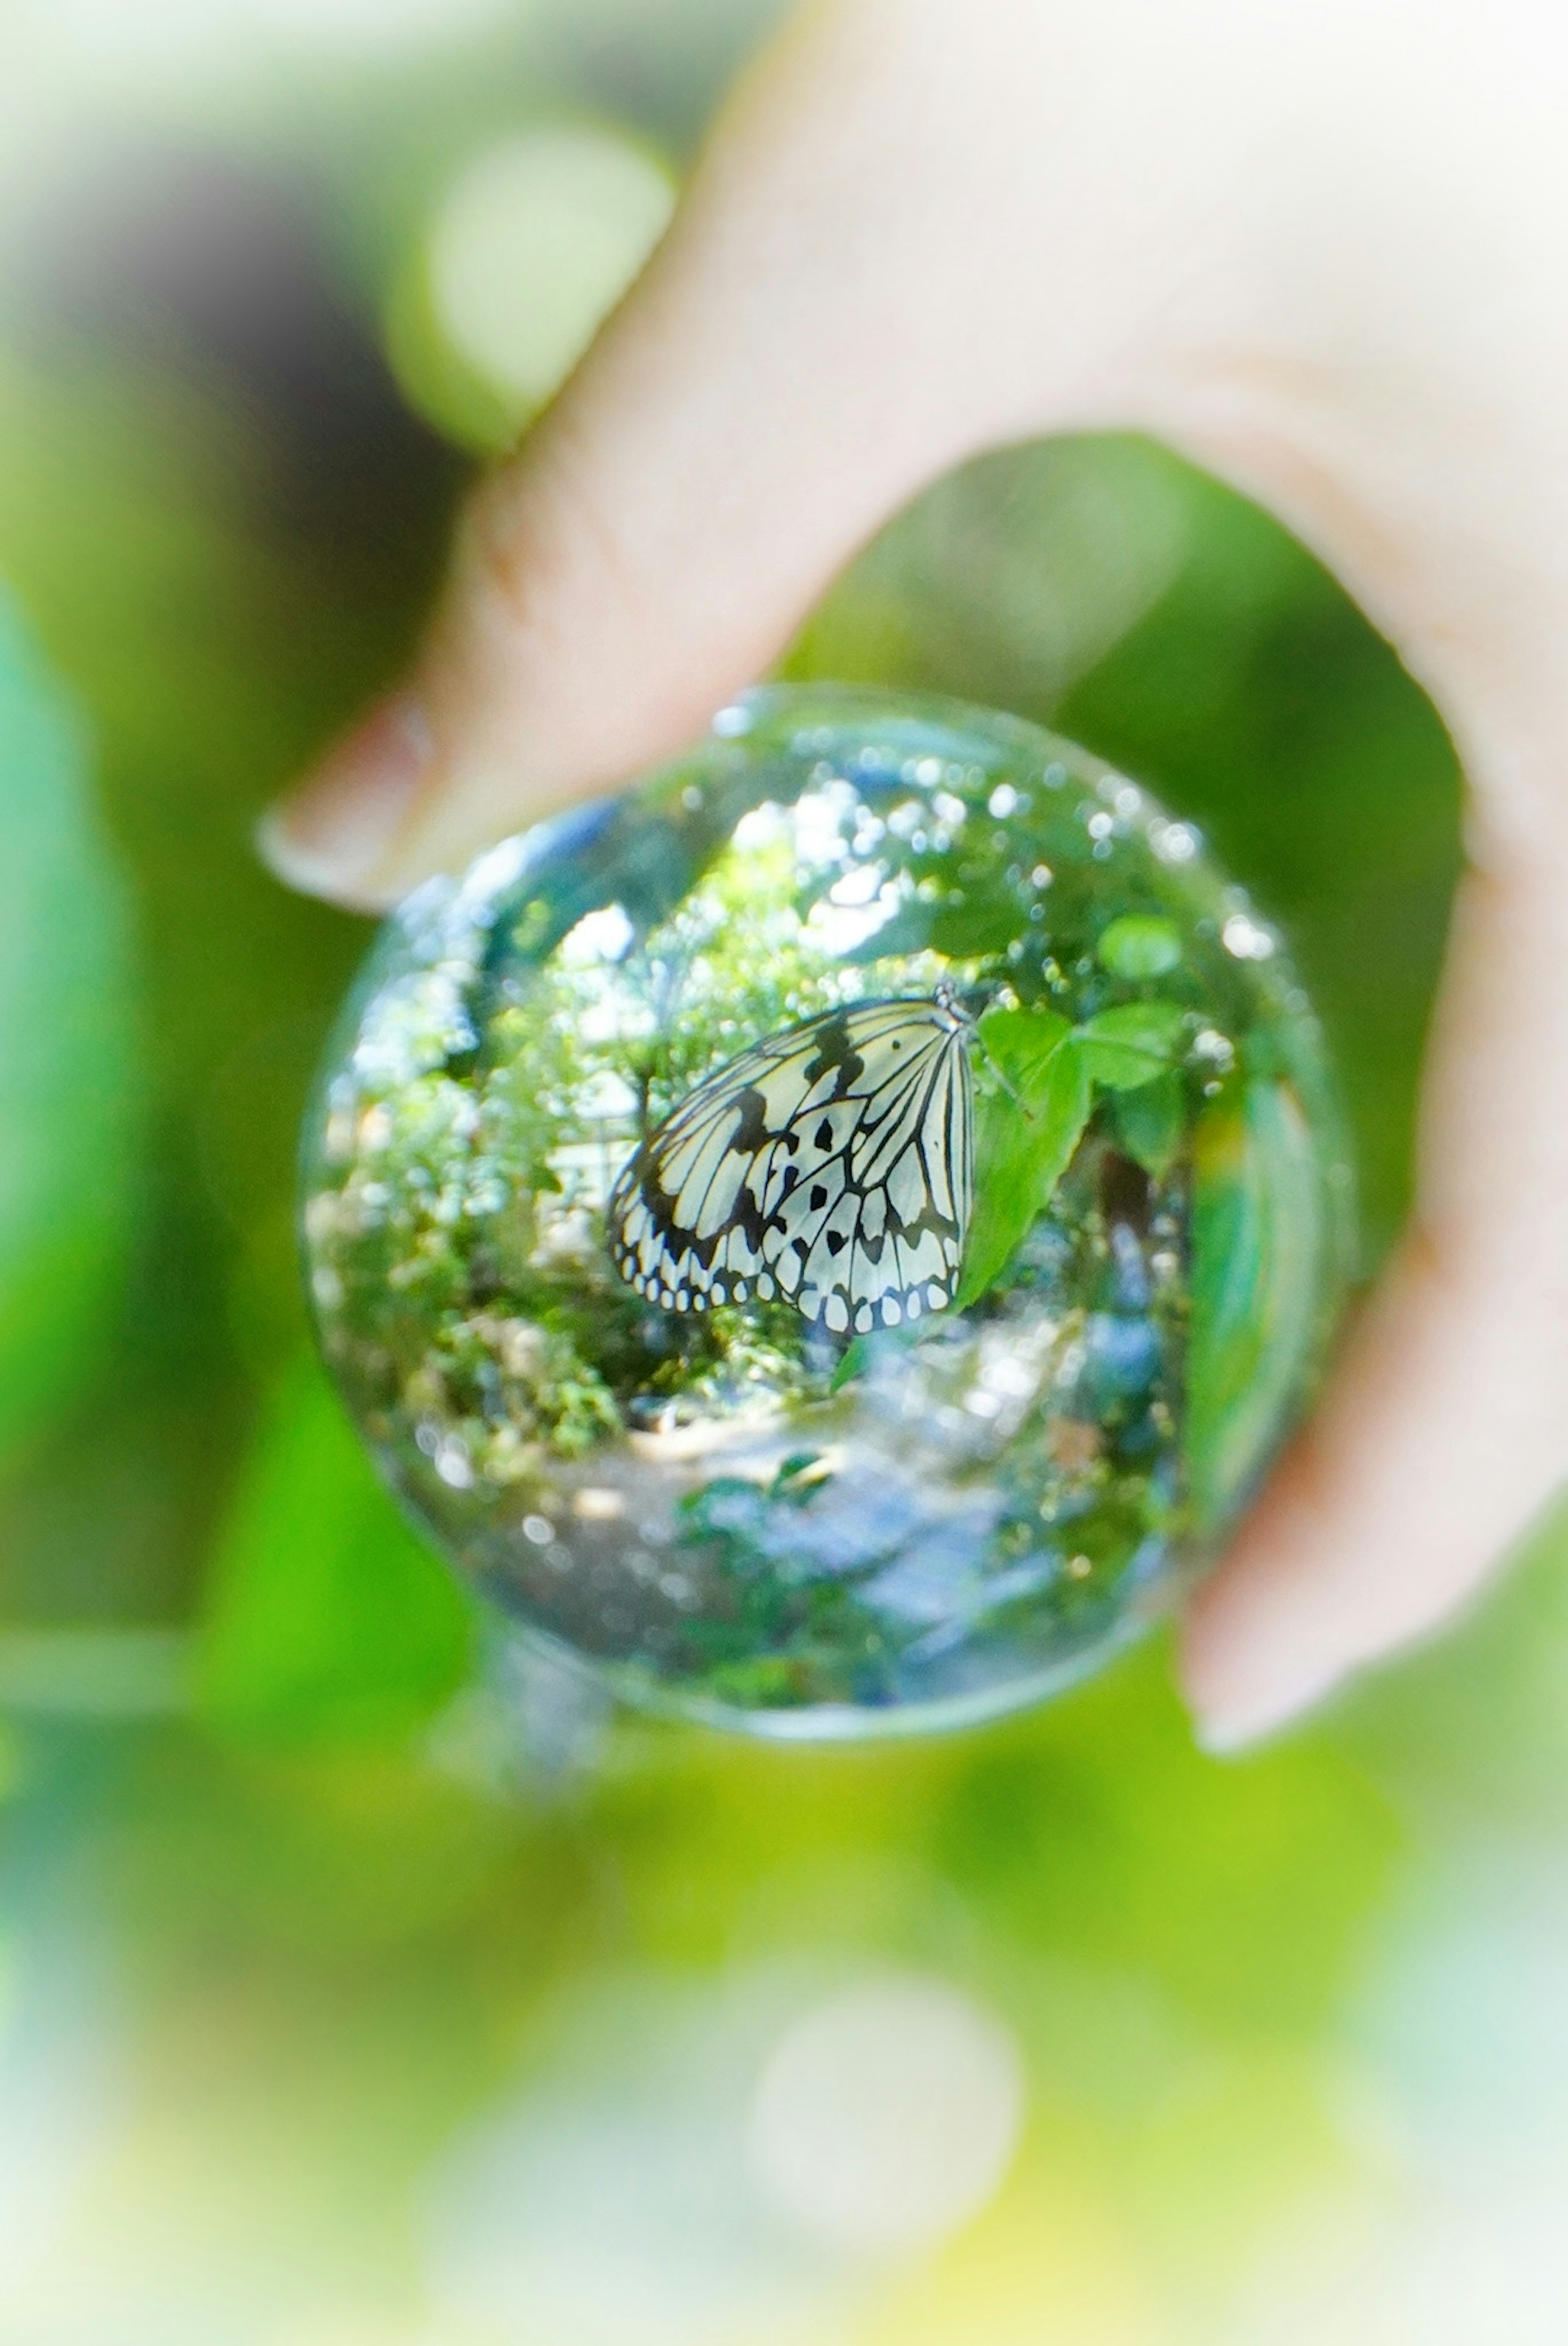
column 833, row 1236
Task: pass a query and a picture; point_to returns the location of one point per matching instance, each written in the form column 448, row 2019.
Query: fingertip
column 337, row 833
column 1269, row 1634
column 1234, row 1710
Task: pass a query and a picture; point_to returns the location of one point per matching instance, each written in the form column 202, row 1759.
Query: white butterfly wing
column 830, row 1166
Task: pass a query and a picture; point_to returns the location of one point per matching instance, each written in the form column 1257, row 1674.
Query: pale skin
column 1320, row 251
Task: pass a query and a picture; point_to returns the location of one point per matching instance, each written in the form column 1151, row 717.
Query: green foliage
column 1149, row 1120
column 1256, row 698
column 1020, row 1045
column 1139, row 946
column 326, row 1619
column 1097, row 1830
column 1024, row 1135
column 1257, row 1238
column 1132, row 1043
column 1009, row 579
column 67, row 1060
column 326, row 1954
column 780, row 1639
column 142, row 524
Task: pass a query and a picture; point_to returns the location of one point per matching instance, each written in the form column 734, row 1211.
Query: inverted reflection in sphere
column 833, row 1235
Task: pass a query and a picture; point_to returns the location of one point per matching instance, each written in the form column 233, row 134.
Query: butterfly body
column 830, row 1166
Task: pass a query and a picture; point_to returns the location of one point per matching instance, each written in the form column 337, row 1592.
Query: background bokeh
column 362, row 1983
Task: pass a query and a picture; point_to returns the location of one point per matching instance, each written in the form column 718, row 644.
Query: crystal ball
column 832, row 1237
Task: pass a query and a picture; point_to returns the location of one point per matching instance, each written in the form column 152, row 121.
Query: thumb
column 851, row 299
column 743, row 422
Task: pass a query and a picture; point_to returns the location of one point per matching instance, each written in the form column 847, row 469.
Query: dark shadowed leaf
column 980, row 923
column 1148, row 1121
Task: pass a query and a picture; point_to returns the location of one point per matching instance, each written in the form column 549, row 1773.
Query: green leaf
column 977, row 924
column 1133, row 1042
column 1020, row 1042
column 1148, row 1122
column 326, row 1619
column 1022, row 1144
column 1258, row 1236
column 67, row 1057
column 1139, row 946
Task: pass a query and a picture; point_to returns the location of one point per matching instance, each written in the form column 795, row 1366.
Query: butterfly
column 830, row 1166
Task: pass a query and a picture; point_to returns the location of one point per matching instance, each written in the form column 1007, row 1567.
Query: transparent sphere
column 832, row 1237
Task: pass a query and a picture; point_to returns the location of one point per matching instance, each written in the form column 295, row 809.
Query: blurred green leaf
column 1148, row 1122
column 1097, row 1827
column 983, row 921
column 1131, row 1043
column 1024, row 1139
column 1011, row 577
column 327, row 1619
column 67, row 1057
column 1139, row 946
column 1257, row 1238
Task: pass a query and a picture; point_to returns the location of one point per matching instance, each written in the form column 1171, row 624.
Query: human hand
column 1318, row 250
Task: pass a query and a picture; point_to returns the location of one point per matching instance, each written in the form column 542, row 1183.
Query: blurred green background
column 362, row 1984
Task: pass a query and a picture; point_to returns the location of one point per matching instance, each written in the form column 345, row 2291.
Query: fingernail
column 1224, row 1728
column 332, row 836
column 1222, row 1739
